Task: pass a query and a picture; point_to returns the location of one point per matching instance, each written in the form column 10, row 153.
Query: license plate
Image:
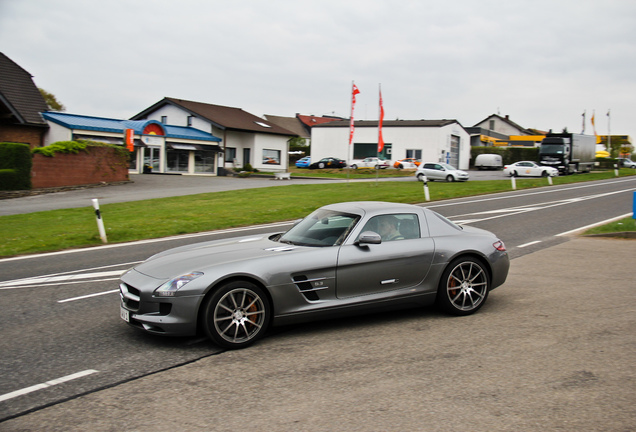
column 124, row 314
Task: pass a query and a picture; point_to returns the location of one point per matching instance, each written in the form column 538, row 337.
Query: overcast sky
column 542, row 62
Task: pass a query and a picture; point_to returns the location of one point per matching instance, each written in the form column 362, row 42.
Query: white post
column 514, row 182
column 616, row 170
column 550, row 180
column 427, row 196
column 100, row 222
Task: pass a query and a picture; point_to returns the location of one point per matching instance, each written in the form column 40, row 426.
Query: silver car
column 342, row 259
column 440, row 171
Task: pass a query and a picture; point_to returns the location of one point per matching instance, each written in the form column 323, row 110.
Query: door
column 399, row 262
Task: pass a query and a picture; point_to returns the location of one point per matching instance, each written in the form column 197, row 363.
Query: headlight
column 172, row 286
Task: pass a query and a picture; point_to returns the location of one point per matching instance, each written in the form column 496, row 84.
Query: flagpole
column 609, row 134
column 377, row 166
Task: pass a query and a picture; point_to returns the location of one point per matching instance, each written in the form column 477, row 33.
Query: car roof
column 362, row 207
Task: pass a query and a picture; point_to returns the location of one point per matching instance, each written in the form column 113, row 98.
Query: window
column 491, row 125
column 177, row 160
column 204, row 161
column 230, row 154
column 271, row 157
column 414, row 153
column 190, row 120
column 394, row 227
column 164, row 119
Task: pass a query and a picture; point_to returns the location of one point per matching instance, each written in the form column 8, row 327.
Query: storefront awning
column 204, row 147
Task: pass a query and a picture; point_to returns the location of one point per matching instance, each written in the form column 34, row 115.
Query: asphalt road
column 51, row 331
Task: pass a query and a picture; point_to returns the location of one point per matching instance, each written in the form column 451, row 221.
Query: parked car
column 440, row 171
column 370, row 162
column 407, row 163
column 488, row 161
column 529, row 169
column 626, row 163
column 328, row 162
column 303, row 162
column 341, row 259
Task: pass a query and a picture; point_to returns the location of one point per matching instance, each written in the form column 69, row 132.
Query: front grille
column 129, row 296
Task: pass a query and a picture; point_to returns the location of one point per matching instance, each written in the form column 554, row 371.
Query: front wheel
column 236, row 315
column 450, row 178
column 544, row 174
column 464, row 287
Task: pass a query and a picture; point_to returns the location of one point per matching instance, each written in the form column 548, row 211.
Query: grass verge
column 624, row 225
column 73, row 228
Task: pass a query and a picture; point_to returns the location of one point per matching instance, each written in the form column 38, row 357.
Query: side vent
column 306, row 287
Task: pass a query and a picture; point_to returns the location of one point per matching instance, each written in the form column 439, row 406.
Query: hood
column 200, row 256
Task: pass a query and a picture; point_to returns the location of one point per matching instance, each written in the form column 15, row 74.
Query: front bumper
column 170, row 316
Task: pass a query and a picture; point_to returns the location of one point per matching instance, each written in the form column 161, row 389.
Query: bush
column 62, row 147
column 15, row 166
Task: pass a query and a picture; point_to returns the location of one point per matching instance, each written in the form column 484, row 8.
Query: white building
column 245, row 138
column 428, row 140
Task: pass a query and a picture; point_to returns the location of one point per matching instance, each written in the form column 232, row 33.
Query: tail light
column 500, row 246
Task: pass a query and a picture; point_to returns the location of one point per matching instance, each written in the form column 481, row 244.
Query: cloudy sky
column 542, row 62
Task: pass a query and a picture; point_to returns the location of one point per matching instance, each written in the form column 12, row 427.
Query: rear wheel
column 236, row 315
column 464, row 287
column 354, row 166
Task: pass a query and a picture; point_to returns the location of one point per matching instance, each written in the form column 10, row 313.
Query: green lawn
column 72, row 228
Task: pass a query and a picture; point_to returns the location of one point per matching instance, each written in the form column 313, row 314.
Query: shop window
column 204, row 161
column 177, row 160
column 271, row 157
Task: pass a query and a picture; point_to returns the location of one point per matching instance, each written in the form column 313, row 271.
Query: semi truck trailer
column 568, row 152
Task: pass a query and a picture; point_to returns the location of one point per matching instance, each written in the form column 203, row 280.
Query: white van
column 488, row 161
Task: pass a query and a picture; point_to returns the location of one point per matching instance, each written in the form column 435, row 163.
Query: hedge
column 15, row 166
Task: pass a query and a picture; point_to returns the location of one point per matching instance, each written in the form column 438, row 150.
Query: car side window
column 392, row 227
column 429, row 166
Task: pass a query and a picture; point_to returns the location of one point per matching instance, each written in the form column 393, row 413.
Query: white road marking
column 37, row 387
column 529, row 244
column 44, row 281
column 521, row 194
column 594, row 225
column 157, row 240
column 87, row 296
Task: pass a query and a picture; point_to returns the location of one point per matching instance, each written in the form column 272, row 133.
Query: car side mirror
column 369, row 237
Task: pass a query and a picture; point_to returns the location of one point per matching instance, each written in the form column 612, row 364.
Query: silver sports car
column 342, row 259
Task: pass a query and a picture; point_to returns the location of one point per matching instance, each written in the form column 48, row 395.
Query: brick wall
column 99, row 164
column 22, row 134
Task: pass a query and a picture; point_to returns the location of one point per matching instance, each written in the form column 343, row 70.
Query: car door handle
column 389, row 281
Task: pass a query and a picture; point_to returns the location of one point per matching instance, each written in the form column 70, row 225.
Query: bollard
column 550, row 180
column 616, row 170
column 427, row 196
column 100, row 222
column 513, row 180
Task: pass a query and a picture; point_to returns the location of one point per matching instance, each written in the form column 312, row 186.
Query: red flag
column 354, row 92
column 380, row 138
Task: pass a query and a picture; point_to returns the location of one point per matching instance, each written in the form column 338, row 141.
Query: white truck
column 568, row 152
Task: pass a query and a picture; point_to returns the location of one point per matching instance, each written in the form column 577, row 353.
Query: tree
column 51, row 101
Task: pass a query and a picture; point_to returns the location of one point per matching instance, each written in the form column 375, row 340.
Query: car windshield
column 551, row 149
column 321, row 228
